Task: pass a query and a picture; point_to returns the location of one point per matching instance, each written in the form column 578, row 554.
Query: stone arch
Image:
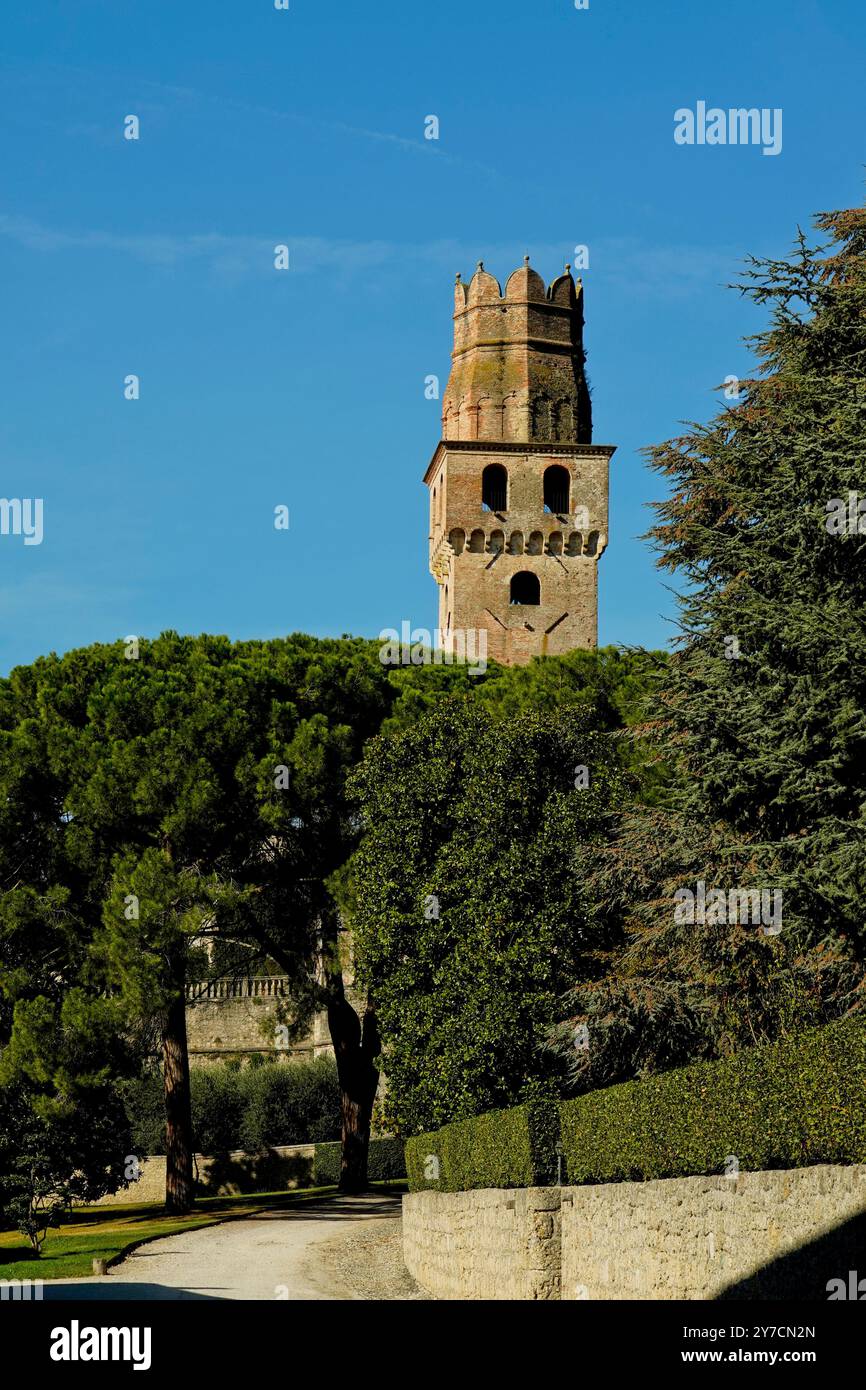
column 515, row 543
column 535, row 545
column 450, row 419
column 573, row 547
column 511, row 417
column 525, row 588
column 497, row 542
column 554, row 543
column 489, row 418
column 476, row 542
column 592, row 543
column 457, row 540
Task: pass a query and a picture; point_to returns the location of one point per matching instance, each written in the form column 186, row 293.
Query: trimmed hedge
column 386, row 1162
column 250, row 1108
column 505, row 1148
column 789, row 1104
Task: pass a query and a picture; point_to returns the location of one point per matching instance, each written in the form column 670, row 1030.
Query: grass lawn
column 106, row 1233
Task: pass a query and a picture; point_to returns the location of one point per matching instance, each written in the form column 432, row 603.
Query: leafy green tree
column 469, row 909
column 763, row 711
column 614, row 681
column 64, row 1133
column 197, row 785
column 163, row 792
column 152, row 916
column 63, row 1128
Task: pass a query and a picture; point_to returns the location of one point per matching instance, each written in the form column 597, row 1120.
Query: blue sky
column 306, row 388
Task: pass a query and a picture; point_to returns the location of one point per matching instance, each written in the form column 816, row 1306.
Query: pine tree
column 763, row 709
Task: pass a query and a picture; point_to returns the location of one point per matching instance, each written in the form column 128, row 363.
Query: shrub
column 504, row 1148
column 796, row 1102
column 248, row 1108
column 219, row 1101
column 793, row 1103
column 295, row 1103
column 386, row 1163
column 144, row 1101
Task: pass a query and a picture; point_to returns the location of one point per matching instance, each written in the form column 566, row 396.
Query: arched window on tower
column 525, row 588
column 557, row 485
column 494, row 488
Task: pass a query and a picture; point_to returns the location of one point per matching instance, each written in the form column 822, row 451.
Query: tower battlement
column 517, row 364
column 518, row 491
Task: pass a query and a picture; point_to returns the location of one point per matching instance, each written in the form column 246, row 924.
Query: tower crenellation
column 517, row 364
column 518, row 491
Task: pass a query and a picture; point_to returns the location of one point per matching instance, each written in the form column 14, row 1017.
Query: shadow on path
column 113, row 1291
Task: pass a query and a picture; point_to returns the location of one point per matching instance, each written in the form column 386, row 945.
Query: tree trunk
column 178, row 1109
column 356, row 1045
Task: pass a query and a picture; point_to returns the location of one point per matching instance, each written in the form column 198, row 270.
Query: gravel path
column 339, row 1248
column 367, row 1262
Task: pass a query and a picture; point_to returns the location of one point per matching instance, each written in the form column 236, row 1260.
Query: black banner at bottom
column 223, row 1337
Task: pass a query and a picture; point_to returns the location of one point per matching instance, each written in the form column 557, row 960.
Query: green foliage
column 789, row 1104
column 786, row 1105
column 139, row 804
column 145, row 1109
column 249, row 1108
column 63, row 1150
column 470, row 914
column 615, row 683
column 299, row 1101
column 63, row 1131
column 766, row 742
column 386, row 1162
column 504, row 1148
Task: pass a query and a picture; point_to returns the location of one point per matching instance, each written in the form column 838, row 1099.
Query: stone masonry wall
column 695, row 1237
column 773, row 1235
column 475, row 553
column 234, row 1018
column 220, row 1028
column 517, row 401
column 486, row 1244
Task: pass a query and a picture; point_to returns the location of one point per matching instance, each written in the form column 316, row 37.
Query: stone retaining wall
column 700, row 1237
column 491, row 1243
column 780, row 1234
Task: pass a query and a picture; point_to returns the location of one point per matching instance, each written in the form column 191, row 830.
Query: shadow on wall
column 805, row 1273
column 225, row 1175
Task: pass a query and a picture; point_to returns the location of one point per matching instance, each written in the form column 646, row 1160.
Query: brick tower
column 518, row 491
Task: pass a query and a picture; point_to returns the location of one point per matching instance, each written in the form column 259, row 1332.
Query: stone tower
column 518, row 491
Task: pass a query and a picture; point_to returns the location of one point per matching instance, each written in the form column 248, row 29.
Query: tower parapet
column 517, row 368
